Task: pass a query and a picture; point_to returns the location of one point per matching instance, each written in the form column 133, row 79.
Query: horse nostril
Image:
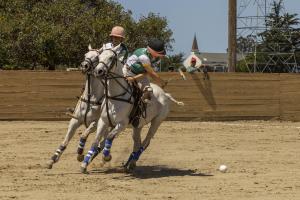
column 100, row 72
column 83, row 65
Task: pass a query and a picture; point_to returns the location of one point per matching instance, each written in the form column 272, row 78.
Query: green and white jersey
column 138, row 60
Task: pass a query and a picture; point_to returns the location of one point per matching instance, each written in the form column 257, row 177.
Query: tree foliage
column 246, row 44
column 50, row 33
column 282, row 34
column 174, row 61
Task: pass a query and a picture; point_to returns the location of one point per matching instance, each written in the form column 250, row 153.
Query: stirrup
column 146, row 101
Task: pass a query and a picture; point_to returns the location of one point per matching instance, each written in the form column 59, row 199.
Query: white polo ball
column 223, row 168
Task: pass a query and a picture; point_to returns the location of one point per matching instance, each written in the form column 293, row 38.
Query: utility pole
column 232, row 21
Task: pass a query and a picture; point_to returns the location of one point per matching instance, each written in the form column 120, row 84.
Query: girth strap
column 120, row 99
column 98, row 103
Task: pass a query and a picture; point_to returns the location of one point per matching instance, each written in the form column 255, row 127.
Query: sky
column 205, row 18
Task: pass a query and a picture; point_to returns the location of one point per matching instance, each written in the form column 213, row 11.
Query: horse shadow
column 149, row 172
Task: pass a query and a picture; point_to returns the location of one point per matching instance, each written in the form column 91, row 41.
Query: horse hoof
column 132, row 166
column 83, row 168
column 107, row 158
column 80, row 157
column 126, row 170
column 49, row 164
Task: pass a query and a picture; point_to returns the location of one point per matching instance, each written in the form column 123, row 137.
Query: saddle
column 139, row 107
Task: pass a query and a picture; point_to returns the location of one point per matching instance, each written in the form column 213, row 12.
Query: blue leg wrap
column 137, row 154
column 134, row 156
column 61, row 147
column 58, row 153
column 97, row 151
column 81, row 142
column 90, row 155
column 129, row 159
column 106, row 150
column 81, row 145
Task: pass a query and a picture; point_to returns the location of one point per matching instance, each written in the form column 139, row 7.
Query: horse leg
column 100, row 146
column 73, row 125
column 151, row 132
column 101, row 130
column 110, row 137
column 136, row 136
column 92, row 127
column 155, row 123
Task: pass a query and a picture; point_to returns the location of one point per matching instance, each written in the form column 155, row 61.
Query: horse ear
column 117, row 47
column 90, row 47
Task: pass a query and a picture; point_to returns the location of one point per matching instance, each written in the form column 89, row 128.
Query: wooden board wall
column 227, row 96
column 27, row 95
column 38, row 95
column 290, row 97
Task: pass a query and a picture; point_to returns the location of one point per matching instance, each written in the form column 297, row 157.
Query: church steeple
column 195, row 45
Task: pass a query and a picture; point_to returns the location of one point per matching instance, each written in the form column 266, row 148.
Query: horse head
column 90, row 61
column 108, row 61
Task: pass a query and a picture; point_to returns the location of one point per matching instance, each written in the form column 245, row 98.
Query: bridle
column 91, row 64
column 89, row 72
column 109, row 75
column 112, row 64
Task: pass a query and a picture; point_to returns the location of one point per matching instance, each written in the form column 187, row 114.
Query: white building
column 214, row 62
column 194, row 53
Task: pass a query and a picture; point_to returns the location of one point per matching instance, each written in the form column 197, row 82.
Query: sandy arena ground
column 263, row 160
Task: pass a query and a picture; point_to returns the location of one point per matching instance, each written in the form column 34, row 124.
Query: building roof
column 216, row 58
column 205, row 58
column 195, row 45
column 212, row 59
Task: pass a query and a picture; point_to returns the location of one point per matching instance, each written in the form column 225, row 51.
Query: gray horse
column 117, row 107
column 87, row 110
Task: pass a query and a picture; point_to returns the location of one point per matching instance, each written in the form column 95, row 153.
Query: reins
column 88, row 97
column 88, row 100
column 113, row 76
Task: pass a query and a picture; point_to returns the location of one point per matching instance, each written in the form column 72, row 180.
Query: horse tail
column 180, row 103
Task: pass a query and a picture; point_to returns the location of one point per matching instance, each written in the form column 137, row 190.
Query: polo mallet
column 183, row 77
column 182, row 74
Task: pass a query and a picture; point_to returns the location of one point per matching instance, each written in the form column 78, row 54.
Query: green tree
column 246, row 44
column 149, row 27
column 174, row 61
column 281, row 35
column 49, row 33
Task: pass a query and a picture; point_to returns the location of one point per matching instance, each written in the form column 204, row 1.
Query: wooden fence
column 28, row 95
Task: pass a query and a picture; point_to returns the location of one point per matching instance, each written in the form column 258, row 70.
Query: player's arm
column 136, row 77
column 153, row 74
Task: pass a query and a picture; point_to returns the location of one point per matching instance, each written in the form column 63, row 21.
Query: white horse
column 117, row 106
column 87, row 110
